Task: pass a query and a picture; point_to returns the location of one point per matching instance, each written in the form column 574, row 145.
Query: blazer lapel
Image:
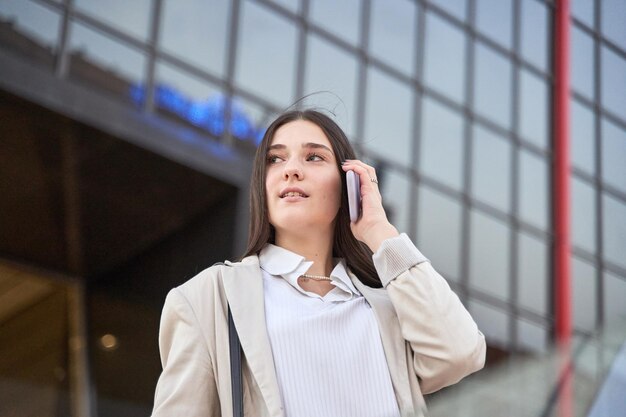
column 394, row 344
column 243, row 285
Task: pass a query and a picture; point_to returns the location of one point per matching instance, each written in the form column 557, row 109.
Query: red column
column 561, row 203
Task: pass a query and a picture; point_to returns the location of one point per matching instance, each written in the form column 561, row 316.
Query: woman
column 335, row 318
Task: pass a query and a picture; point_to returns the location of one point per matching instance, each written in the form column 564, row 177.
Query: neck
column 314, row 246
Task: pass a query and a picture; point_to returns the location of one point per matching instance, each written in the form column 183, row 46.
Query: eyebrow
column 304, row 145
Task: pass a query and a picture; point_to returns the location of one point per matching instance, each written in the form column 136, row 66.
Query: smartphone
column 354, row 195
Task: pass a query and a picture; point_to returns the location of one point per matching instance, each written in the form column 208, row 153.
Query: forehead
column 299, row 132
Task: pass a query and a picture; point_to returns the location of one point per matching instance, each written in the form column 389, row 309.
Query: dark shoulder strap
column 235, row 367
column 236, row 379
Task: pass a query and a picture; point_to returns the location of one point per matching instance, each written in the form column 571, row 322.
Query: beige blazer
column 430, row 340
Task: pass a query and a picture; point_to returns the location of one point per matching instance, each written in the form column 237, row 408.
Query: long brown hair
column 357, row 255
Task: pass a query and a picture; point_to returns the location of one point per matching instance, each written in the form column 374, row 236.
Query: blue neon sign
column 206, row 114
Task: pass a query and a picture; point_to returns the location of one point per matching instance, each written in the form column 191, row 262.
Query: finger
column 370, row 171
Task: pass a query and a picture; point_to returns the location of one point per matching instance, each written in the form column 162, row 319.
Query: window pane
column 531, row 336
column 492, row 83
column 263, row 35
column 582, row 62
column 195, row 31
column 614, row 296
column 488, row 267
column 491, row 166
column 613, row 19
column 339, row 79
column 441, row 154
column 584, row 295
column 613, row 155
column 535, row 28
column 444, row 62
column 493, row 323
column 341, row 18
column 533, row 188
column 395, row 190
column 131, row 17
column 392, row 33
column 36, row 22
column 614, row 82
column 534, row 109
column 584, row 11
column 103, row 62
column 583, row 137
column 293, row 5
column 583, row 215
column 189, row 99
column 494, row 18
column 614, row 214
column 439, row 231
column 532, row 278
column 388, row 128
column 457, row 8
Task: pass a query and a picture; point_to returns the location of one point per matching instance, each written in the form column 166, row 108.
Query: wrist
column 379, row 234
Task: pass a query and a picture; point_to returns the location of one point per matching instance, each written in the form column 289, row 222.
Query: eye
column 314, row 157
column 272, row 159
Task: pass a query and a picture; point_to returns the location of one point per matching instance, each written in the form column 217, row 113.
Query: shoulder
column 209, row 281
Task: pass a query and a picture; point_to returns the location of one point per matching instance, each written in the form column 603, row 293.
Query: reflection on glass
column 613, row 82
column 266, row 58
column 131, row 17
column 533, row 188
column 189, row 86
column 583, row 215
column 392, row 33
column 341, row 18
column 535, row 28
column 584, row 295
column 457, row 8
column 395, row 190
column 492, row 91
column 614, row 230
column 532, row 274
column 584, row 11
column 613, row 155
column 491, row 168
column 102, row 61
column 583, row 137
column 534, row 109
column 613, row 15
column 388, row 117
column 493, row 323
column 195, row 30
column 489, row 268
column 444, row 60
column 531, row 337
column 441, row 154
column 32, row 20
column 494, row 18
column 333, row 87
column 614, row 296
column 439, row 231
column 582, row 62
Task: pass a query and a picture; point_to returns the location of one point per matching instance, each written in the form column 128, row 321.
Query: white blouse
column 327, row 350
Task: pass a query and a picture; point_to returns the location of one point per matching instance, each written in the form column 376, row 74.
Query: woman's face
column 302, row 183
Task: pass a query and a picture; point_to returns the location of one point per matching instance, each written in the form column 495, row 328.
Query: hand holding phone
column 354, row 195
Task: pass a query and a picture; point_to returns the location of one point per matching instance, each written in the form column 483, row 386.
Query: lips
column 292, row 192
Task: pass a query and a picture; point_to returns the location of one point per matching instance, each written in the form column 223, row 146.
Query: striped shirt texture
column 327, row 351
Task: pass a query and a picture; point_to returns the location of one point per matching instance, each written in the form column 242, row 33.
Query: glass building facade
column 451, row 101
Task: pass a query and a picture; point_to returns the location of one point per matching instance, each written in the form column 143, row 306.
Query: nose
column 293, row 170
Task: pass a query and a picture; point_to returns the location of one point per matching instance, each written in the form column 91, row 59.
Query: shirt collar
column 289, row 265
